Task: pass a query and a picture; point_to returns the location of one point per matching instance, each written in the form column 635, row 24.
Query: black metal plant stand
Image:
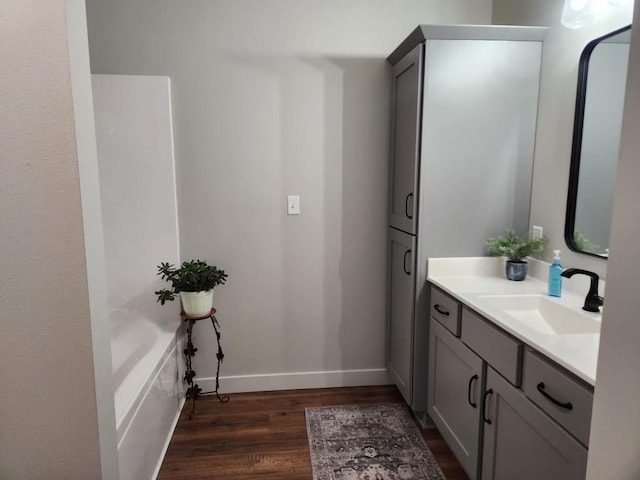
column 194, row 391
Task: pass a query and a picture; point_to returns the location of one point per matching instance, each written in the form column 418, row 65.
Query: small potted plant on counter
column 194, row 281
column 516, row 249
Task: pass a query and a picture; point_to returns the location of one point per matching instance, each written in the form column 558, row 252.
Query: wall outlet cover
column 536, row 232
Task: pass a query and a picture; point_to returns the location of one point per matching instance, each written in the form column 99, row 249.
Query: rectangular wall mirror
column 602, row 78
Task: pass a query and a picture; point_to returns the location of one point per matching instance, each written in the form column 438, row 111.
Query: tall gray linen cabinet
column 464, row 108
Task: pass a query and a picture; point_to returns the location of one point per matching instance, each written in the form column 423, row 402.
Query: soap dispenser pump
column 555, row 280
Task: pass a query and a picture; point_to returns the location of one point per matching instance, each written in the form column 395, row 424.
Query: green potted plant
column 194, row 281
column 516, row 249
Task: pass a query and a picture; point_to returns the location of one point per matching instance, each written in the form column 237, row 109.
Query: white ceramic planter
column 197, row 303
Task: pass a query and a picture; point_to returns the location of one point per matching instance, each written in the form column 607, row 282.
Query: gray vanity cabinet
column 490, row 409
column 521, row 442
column 401, row 291
column 456, row 383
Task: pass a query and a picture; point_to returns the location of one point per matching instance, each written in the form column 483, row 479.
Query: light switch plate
column 293, row 205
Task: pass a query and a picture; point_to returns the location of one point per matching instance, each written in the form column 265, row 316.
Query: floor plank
column 263, row 435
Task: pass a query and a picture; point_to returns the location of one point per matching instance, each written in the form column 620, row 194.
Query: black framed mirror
column 602, row 77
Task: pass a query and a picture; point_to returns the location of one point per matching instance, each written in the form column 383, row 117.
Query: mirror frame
column 576, row 148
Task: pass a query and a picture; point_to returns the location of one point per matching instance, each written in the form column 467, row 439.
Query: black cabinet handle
column 406, row 205
column 567, row 405
column 404, row 262
column 440, row 310
column 471, row 402
column 484, row 405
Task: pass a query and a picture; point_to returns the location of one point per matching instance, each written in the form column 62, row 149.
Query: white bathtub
column 148, row 389
column 139, row 216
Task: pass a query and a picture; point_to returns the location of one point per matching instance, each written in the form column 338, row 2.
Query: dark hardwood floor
column 263, row 435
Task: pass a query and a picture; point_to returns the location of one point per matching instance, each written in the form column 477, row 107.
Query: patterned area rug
column 368, row 442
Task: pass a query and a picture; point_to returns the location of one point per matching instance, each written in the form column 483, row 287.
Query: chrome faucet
column 592, row 301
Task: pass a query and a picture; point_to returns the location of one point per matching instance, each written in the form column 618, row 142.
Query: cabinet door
column 521, row 441
column 400, row 310
column 455, row 394
column 405, row 128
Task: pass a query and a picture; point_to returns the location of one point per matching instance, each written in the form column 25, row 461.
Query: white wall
column 558, row 84
column 274, row 98
column 615, row 435
column 48, row 405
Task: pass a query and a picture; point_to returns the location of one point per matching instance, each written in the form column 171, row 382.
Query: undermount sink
column 544, row 314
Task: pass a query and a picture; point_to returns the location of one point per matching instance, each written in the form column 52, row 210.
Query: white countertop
column 469, row 279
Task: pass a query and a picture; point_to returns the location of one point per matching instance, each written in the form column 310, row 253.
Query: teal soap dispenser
column 555, row 280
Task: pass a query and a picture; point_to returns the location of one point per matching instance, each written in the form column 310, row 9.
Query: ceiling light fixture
column 577, row 13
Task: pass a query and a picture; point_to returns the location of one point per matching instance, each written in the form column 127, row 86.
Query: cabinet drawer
column 497, row 348
column 446, row 310
column 564, row 399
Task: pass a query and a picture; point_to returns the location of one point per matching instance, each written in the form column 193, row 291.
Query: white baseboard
column 296, row 380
